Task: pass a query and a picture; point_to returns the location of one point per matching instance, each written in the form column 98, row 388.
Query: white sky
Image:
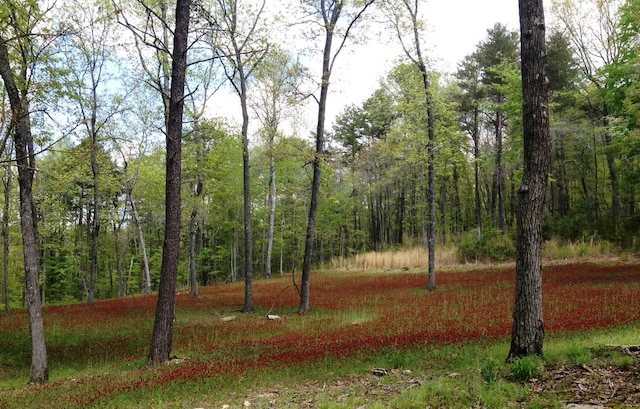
column 454, row 28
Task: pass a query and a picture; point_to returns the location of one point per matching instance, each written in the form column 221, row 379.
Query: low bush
column 493, row 246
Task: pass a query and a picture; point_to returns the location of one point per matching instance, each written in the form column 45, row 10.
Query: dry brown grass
column 403, row 259
column 554, row 251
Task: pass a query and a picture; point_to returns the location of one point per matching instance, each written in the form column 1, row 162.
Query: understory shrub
column 493, row 246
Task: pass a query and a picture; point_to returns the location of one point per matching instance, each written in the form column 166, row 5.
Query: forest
column 95, row 83
column 270, row 194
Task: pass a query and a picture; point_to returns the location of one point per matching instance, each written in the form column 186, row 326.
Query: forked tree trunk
column 527, row 335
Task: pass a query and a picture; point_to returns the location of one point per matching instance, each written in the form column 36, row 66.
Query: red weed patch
column 352, row 315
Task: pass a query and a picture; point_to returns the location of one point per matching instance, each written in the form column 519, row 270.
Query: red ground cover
column 352, row 315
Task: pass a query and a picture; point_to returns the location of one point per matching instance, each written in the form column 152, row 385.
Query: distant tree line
column 99, row 179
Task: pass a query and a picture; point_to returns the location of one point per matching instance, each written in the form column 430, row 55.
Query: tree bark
column 25, row 159
column 95, row 226
column 193, row 236
column 527, row 333
column 246, row 183
column 6, row 182
column 330, row 23
column 271, row 201
column 118, row 252
column 143, row 247
column 165, row 309
column 498, row 182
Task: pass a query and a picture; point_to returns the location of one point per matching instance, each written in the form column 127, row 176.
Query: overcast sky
column 454, row 28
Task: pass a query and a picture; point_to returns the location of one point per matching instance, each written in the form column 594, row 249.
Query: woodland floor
column 579, row 386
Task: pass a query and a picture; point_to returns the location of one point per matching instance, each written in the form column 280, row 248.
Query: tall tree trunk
column 165, row 309
column 143, row 247
column 25, row 159
column 95, row 226
column 431, row 183
column 246, row 183
column 317, row 160
column 193, row 236
column 117, row 249
column 476, row 171
column 527, row 333
column 330, row 15
column 6, row 182
column 498, row 175
column 271, row 201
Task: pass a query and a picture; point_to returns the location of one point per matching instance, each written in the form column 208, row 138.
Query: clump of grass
column 489, row 370
column 590, row 248
column 526, row 368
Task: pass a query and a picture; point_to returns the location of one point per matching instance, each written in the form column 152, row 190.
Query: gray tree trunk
column 527, row 333
column 95, row 226
column 193, row 235
column 6, row 182
column 143, row 247
column 271, row 199
column 118, row 252
column 25, row 159
column 330, row 15
column 246, row 182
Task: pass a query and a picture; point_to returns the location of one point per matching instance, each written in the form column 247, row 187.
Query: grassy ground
column 438, row 349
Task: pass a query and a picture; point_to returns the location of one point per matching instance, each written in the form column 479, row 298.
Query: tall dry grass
column 402, row 259
column 553, row 251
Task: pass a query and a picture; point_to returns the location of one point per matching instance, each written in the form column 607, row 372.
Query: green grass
column 449, row 376
column 97, row 359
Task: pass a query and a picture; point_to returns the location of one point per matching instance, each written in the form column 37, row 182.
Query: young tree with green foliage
column 277, row 83
column 90, row 59
column 242, row 51
column 330, row 13
column 406, row 23
column 499, row 48
column 591, row 26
